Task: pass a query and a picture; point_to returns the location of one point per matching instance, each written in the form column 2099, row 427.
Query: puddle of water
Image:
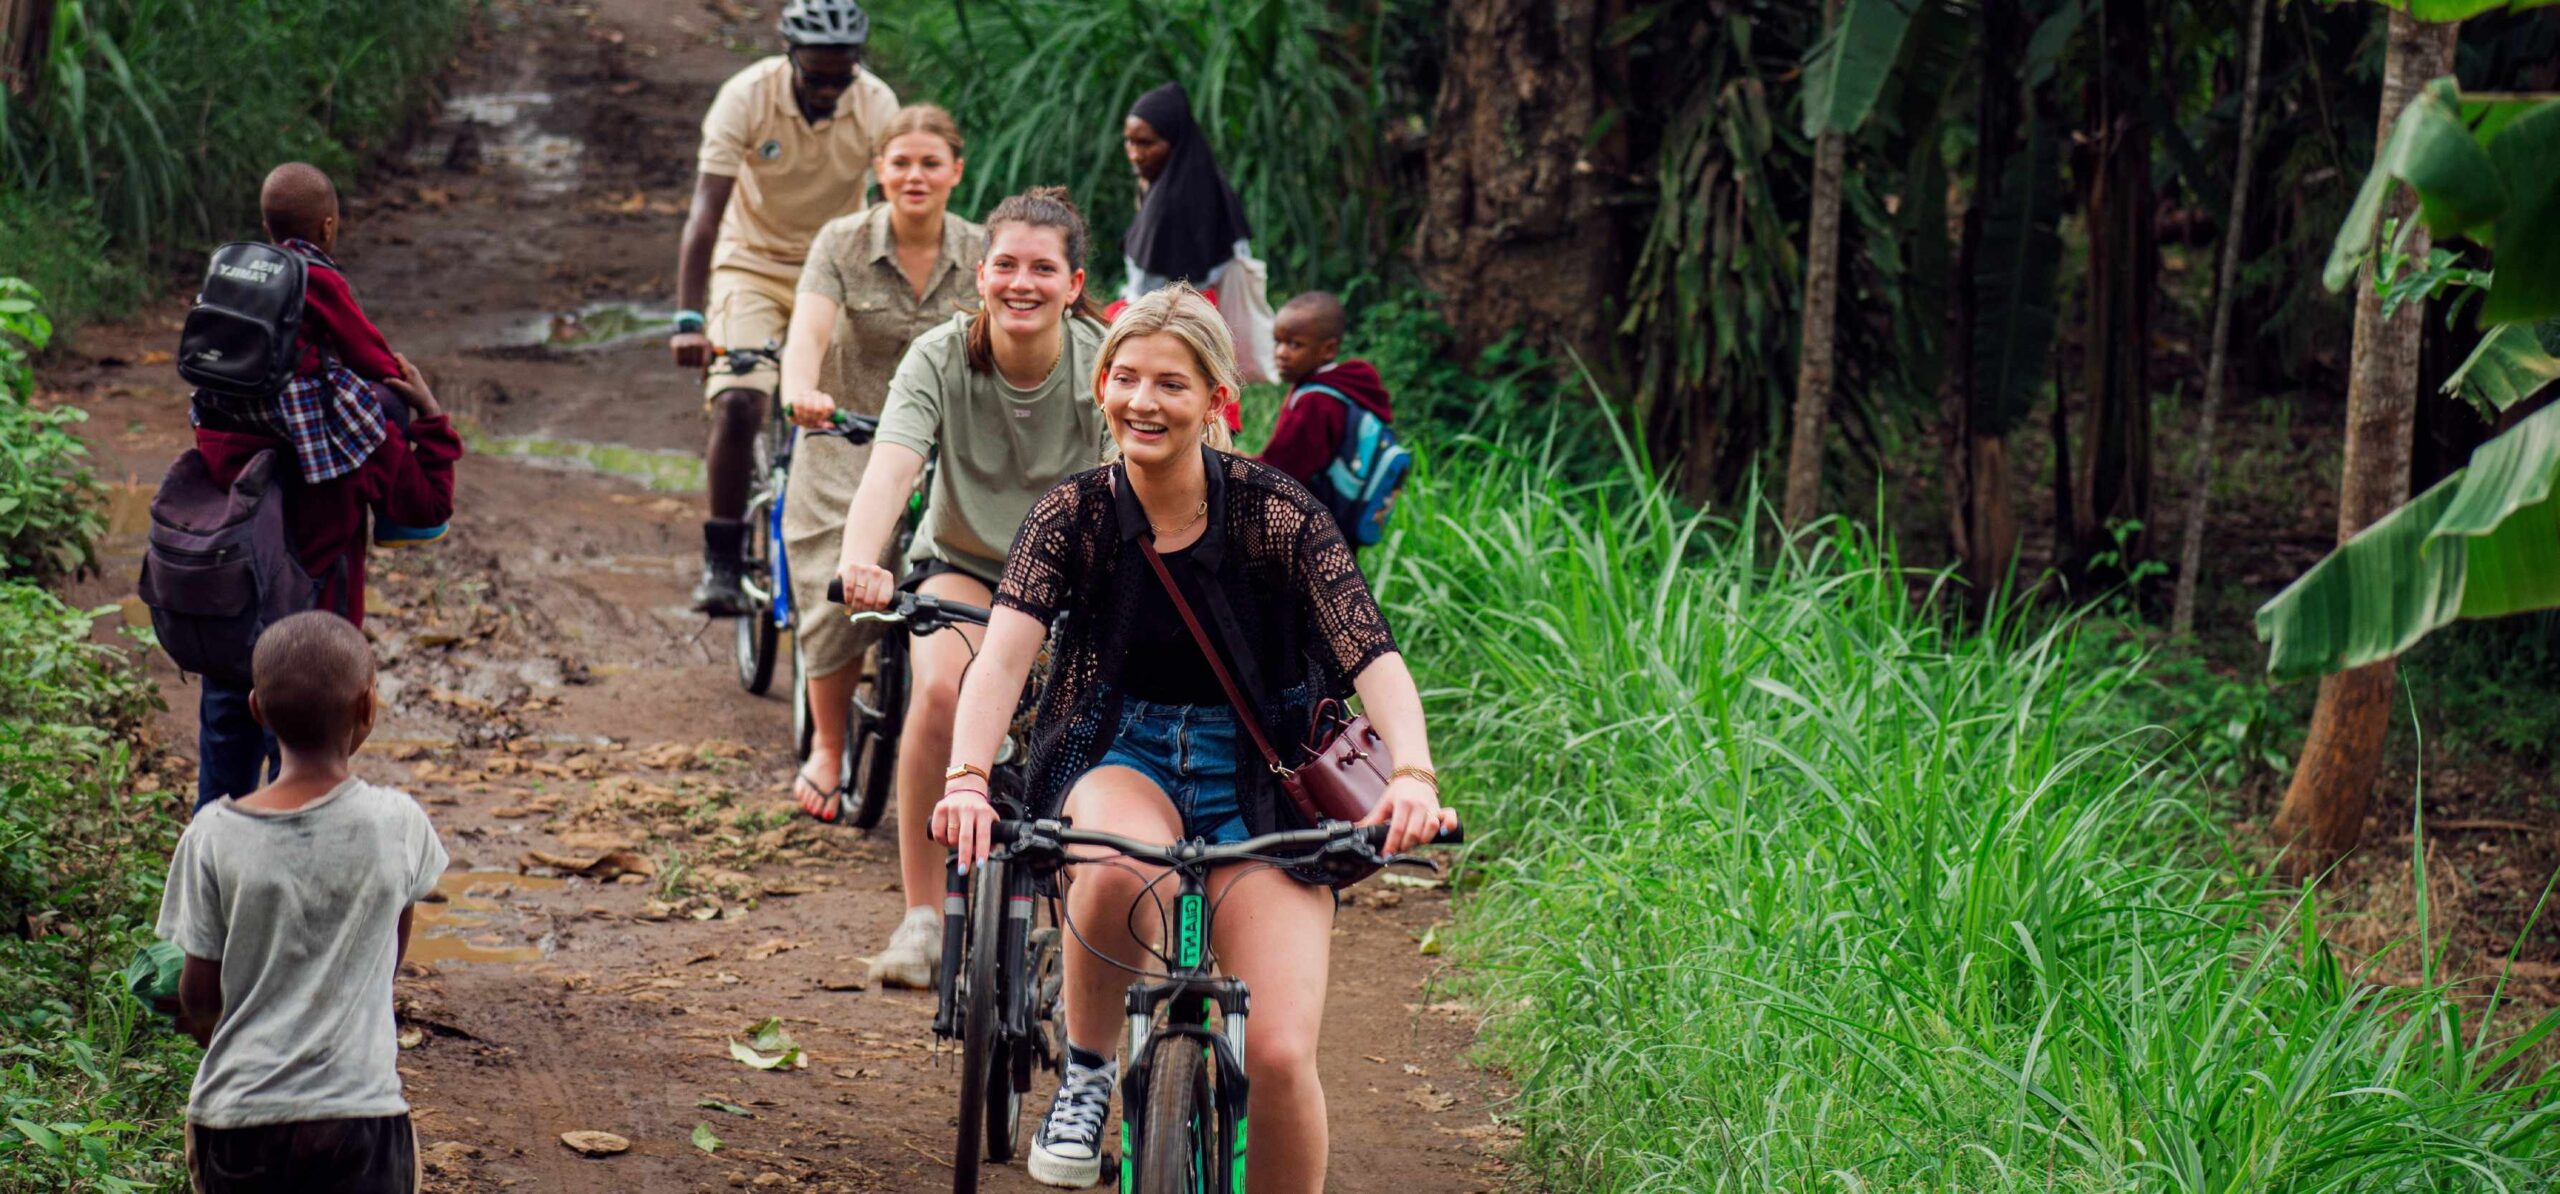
column 498, row 127
column 595, row 326
column 658, row 469
column 463, row 928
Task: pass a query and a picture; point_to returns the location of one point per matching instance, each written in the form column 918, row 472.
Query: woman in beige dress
column 875, row 279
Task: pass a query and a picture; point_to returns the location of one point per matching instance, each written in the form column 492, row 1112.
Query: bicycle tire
column 1176, row 1137
column 981, row 1035
column 759, row 640
column 871, row 742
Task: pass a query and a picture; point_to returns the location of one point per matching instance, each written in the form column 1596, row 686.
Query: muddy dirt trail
column 548, row 694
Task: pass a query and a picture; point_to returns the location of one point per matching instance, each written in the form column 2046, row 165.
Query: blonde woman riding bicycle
column 1135, row 735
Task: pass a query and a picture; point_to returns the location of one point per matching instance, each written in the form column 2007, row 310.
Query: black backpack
column 241, row 339
column 220, row 567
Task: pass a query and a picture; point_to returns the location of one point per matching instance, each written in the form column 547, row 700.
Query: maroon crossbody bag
column 1347, row 766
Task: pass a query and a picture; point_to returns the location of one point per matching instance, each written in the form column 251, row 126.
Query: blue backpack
column 1369, row 466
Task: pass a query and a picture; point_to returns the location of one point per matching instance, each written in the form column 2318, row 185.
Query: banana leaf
column 1848, row 68
column 2013, row 284
column 2513, row 362
column 2460, row 10
column 2526, row 153
column 2483, row 543
column 2484, row 167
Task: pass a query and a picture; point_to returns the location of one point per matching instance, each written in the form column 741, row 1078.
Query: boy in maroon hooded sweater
column 1306, row 336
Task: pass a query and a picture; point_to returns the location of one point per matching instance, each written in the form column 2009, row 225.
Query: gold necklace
column 1196, row 516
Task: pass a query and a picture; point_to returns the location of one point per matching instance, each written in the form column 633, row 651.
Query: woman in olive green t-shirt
column 1003, row 396
column 874, row 281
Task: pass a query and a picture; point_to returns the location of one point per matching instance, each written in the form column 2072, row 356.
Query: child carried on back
column 337, row 409
column 292, row 906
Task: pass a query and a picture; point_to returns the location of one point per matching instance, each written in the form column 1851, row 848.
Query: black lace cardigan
column 1286, row 602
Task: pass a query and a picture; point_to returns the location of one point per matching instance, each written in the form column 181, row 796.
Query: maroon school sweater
column 408, row 481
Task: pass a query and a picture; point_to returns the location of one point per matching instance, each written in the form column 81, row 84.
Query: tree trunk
column 1516, row 235
column 1821, row 299
column 2114, row 484
column 2226, row 285
column 1983, row 525
column 26, row 31
column 2324, row 808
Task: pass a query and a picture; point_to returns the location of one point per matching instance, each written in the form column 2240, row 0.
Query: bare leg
column 1100, row 896
column 1277, row 935
column 728, row 460
column 830, row 702
column 924, row 747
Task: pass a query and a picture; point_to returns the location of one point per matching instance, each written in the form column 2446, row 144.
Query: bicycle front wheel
column 1177, row 1145
column 871, row 744
column 983, row 1064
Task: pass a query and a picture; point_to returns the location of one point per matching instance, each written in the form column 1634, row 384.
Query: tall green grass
column 1789, row 884
column 1305, row 101
column 151, row 121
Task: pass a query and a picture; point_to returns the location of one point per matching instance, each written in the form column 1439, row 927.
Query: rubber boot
column 720, row 594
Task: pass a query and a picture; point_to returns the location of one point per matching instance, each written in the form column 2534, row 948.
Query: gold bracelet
column 1425, row 774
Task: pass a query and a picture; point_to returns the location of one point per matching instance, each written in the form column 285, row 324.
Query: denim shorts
column 1194, row 753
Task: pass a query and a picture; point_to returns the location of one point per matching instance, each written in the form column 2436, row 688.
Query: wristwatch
column 960, row 769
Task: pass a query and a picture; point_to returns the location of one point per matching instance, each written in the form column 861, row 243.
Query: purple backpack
column 220, row 567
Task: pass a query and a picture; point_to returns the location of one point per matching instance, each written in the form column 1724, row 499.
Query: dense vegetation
column 119, row 148
column 1796, row 884
column 89, row 1087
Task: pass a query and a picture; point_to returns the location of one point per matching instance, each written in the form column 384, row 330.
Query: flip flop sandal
column 831, row 798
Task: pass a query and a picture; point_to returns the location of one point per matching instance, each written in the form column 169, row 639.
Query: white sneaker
column 914, row 957
column 1068, row 1150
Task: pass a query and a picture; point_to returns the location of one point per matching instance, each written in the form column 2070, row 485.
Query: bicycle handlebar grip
column 1376, row 836
column 835, row 591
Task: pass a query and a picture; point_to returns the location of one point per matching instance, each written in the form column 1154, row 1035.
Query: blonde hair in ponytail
column 1180, row 312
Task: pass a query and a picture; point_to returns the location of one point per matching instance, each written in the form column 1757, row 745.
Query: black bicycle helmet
column 825, row 23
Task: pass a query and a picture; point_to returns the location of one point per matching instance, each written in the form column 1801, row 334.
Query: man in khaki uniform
column 789, row 139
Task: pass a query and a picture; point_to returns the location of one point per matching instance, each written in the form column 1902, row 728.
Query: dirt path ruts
column 547, row 692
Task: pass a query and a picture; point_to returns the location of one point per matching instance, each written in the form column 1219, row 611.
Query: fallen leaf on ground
column 724, row 1105
column 412, row 1037
column 768, row 1033
column 1392, row 879
column 157, row 357
column 843, row 982
column 511, row 812
column 788, row 1059
column 606, row 866
column 1429, row 1099
column 704, row 1140
column 590, row 842
column 595, row 1144
column 763, row 950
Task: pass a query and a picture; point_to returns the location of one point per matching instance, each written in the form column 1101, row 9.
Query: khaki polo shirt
column 1001, row 447
column 793, row 176
column 854, row 263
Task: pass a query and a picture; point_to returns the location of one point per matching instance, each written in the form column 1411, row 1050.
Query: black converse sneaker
column 1068, row 1150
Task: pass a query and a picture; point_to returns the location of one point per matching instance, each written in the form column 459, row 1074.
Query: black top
column 1190, row 220
column 1279, row 593
column 1165, row 664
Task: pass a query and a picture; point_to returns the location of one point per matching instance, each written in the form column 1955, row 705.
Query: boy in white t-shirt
column 292, row 904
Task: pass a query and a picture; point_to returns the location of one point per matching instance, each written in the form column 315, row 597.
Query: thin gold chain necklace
column 1187, row 524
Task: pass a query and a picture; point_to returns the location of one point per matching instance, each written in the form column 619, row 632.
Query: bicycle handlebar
column 847, row 426
column 1048, row 836
column 922, row 612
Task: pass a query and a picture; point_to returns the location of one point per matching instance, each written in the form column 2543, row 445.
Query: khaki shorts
column 824, row 473
column 747, row 311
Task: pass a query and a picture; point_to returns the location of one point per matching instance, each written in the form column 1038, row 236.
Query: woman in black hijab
column 1190, row 223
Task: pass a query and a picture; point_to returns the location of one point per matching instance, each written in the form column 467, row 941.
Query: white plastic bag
column 1244, row 301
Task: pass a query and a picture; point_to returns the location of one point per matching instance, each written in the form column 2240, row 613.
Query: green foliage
column 49, row 523
column 91, row 1083
column 124, row 140
column 2487, row 169
column 1783, row 882
column 1847, row 70
column 1303, row 100
column 2014, row 280
column 2478, row 544
column 2488, row 684
column 2513, row 362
